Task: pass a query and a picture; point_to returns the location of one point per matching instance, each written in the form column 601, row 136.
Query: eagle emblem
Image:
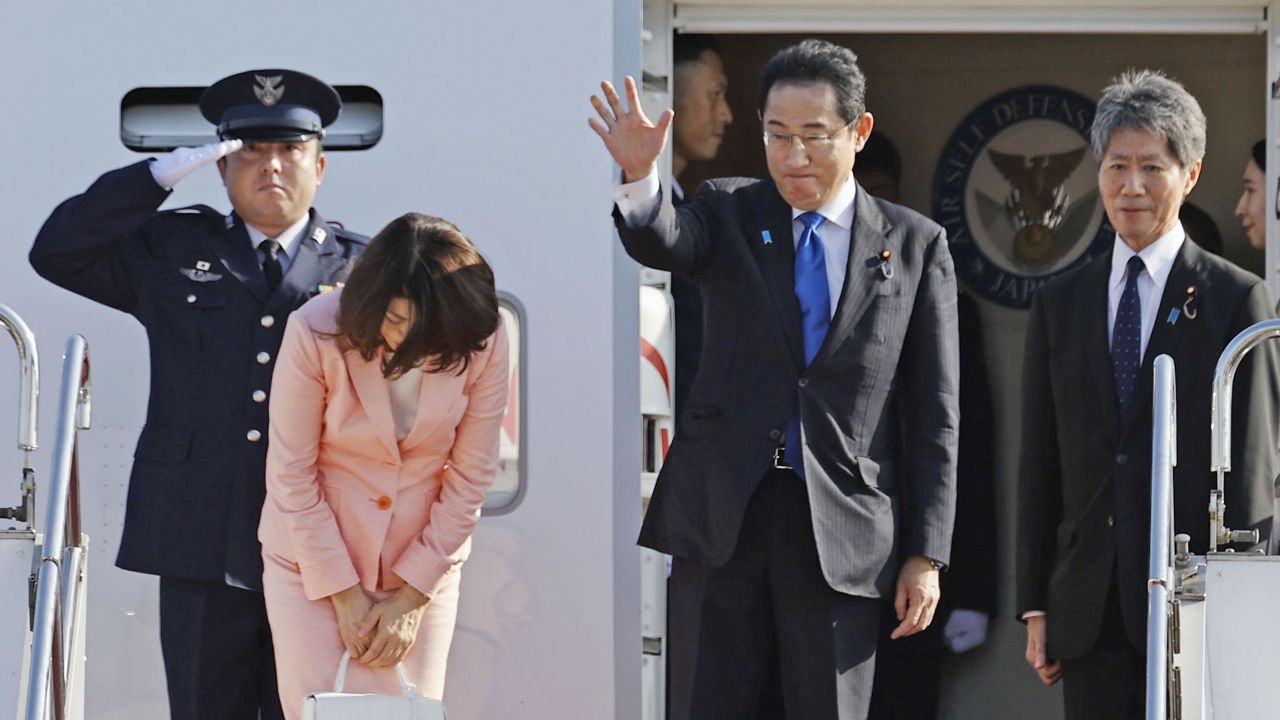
column 268, row 89
column 1037, row 201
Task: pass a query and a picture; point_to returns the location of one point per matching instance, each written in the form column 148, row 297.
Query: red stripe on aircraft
column 650, row 353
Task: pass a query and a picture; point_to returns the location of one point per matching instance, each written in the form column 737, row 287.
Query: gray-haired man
column 1084, row 495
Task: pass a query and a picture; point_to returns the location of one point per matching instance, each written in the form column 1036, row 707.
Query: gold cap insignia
column 268, row 89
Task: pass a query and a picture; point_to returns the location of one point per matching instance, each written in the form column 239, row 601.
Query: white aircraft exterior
column 483, row 121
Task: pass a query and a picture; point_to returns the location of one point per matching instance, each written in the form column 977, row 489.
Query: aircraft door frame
column 1272, row 90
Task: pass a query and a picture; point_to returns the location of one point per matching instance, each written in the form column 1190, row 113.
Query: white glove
column 965, row 630
column 171, row 167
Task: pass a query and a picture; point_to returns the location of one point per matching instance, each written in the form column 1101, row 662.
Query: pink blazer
column 346, row 502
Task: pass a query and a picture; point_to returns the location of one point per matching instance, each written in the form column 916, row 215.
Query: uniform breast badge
column 329, row 288
column 201, row 272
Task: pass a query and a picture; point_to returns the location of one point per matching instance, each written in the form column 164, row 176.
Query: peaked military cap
column 270, row 105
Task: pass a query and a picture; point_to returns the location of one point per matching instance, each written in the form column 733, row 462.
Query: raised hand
column 171, row 167
column 634, row 142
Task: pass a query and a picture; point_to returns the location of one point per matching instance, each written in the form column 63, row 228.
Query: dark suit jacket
column 878, row 404
column 1085, row 485
column 687, row 302
column 197, row 485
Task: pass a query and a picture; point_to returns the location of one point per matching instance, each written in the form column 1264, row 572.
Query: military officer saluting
column 213, row 292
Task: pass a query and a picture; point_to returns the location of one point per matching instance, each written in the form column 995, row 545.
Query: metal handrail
column 1164, row 456
column 28, row 379
column 54, row 630
column 1220, row 427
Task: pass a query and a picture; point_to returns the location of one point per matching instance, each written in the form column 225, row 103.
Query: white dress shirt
column 288, row 241
column 406, row 392
column 638, row 204
column 1158, row 261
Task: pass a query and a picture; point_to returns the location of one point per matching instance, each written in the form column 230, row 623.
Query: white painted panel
column 16, row 550
column 1272, row 190
column 485, row 124
column 1242, row 636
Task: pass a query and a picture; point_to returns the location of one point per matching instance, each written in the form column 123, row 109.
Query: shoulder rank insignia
column 200, row 273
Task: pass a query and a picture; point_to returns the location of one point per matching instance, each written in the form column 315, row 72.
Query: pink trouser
column 307, row 646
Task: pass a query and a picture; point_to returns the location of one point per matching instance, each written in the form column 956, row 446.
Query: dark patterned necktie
column 1126, row 339
column 814, row 295
column 271, row 263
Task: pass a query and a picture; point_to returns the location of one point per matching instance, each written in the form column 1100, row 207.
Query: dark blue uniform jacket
column 193, row 280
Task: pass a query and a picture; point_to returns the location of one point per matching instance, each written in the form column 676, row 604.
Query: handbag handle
column 410, row 690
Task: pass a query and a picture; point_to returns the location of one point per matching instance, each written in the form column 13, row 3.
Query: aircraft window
column 508, row 487
column 159, row 119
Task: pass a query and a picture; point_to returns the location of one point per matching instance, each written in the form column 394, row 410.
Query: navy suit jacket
column 878, row 405
column 197, row 486
column 1084, row 499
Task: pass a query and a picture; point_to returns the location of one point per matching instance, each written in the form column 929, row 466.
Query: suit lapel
column 869, row 237
column 316, row 256
column 375, row 396
column 1166, row 336
column 1097, row 343
column 240, row 259
column 773, row 245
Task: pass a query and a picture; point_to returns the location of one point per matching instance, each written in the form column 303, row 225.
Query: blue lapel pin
column 1173, row 316
column 768, row 239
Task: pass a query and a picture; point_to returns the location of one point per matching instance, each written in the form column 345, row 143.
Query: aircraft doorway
column 920, row 89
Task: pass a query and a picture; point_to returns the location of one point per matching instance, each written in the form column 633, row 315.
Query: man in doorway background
column 701, row 116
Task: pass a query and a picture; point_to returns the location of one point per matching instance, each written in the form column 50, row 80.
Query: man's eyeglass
column 817, row 142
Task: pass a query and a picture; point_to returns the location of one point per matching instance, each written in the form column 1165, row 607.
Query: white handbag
column 338, row 705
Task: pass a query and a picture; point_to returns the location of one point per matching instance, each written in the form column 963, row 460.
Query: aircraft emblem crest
column 1016, row 189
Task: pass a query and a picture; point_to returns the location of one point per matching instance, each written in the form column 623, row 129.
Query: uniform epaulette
column 196, row 210
column 348, row 236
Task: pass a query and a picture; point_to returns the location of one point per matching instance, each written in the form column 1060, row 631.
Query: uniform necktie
column 815, row 311
column 1126, row 338
column 271, row 263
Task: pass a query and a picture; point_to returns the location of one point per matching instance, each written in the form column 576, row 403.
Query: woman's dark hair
column 1260, row 154
column 429, row 262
